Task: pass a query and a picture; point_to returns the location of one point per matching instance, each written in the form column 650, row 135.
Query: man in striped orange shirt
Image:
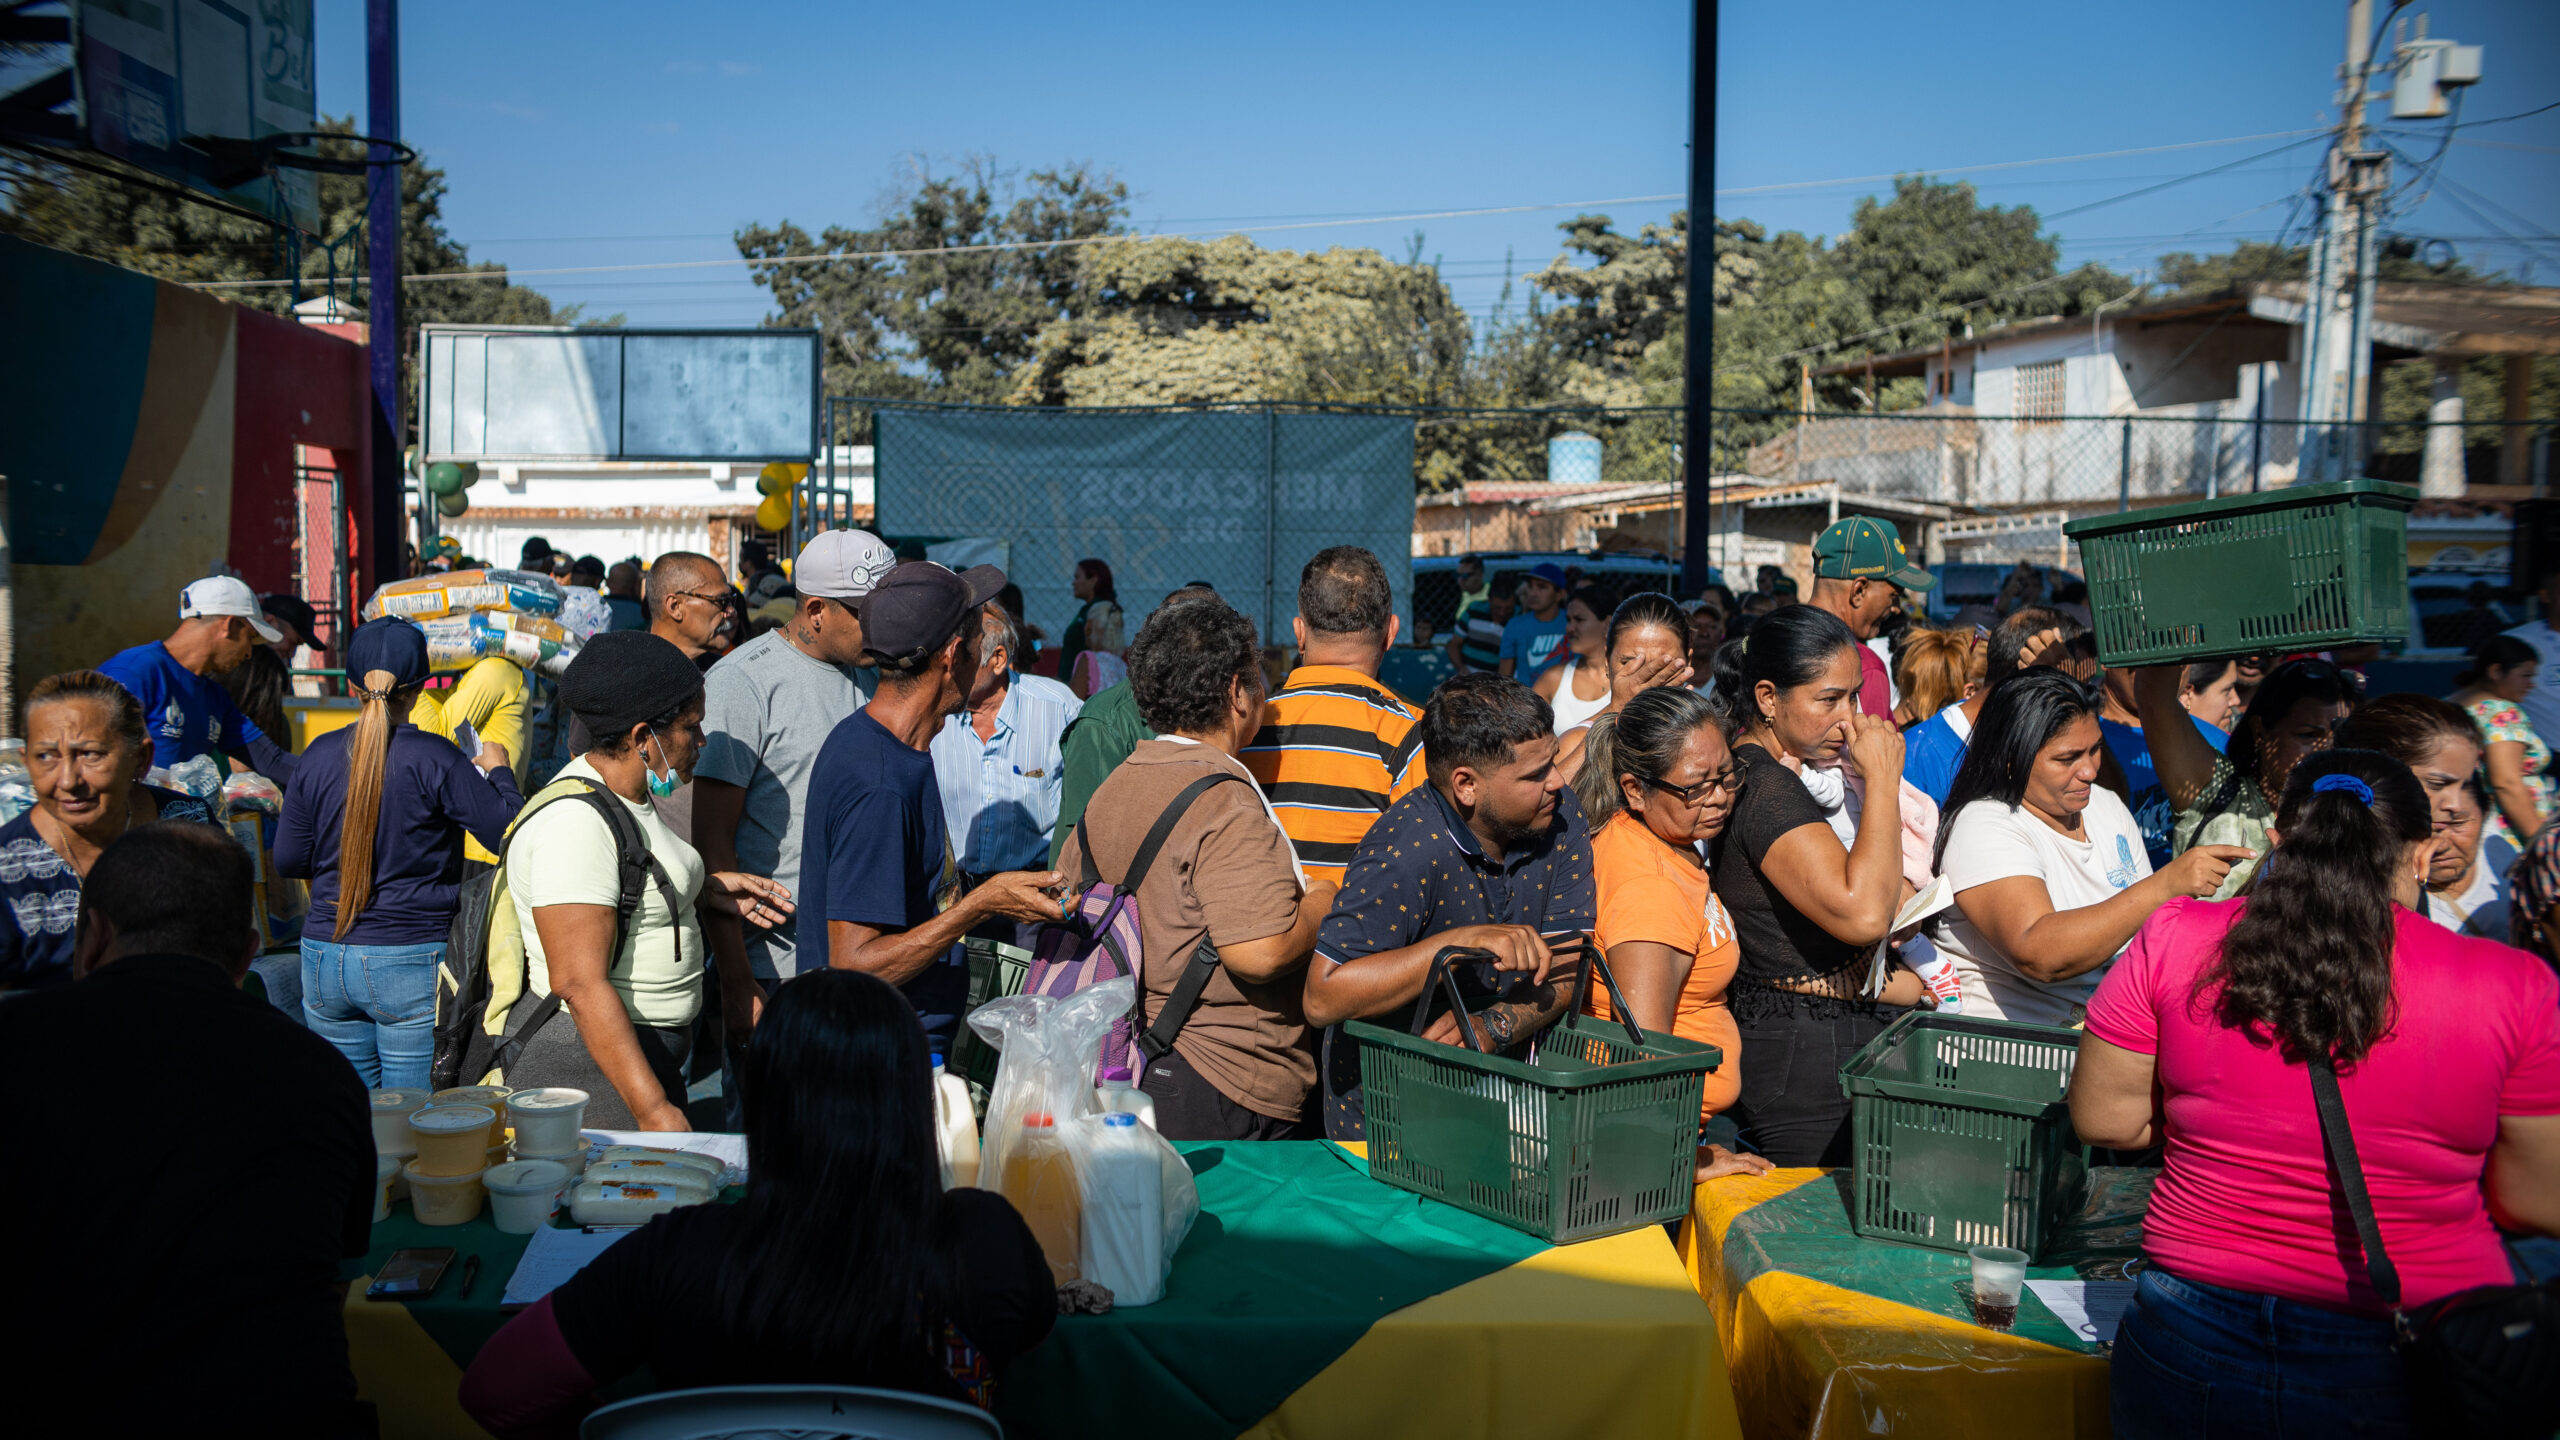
column 1337, row 747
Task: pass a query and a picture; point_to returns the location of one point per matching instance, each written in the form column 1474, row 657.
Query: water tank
column 1573, row 458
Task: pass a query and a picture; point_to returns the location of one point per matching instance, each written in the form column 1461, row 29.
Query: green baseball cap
column 1865, row 548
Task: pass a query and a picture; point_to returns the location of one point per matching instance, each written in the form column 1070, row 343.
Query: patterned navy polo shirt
column 1420, row 872
column 43, row 895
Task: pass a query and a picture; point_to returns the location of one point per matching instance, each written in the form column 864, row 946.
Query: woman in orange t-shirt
column 1658, row 778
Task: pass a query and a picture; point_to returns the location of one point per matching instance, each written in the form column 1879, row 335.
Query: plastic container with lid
column 1123, row 1225
column 445, row 1199
column 451, row 1139
column 1121, row 1096
column 391, row 1110
column 573, row 1161
column 546, row 1120
column 523, row 1193
column 492, row 1096
column 386, row 1169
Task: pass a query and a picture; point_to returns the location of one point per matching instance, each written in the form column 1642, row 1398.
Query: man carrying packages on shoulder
column 1491, row 853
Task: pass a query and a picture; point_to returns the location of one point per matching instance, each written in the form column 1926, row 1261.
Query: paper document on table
column 2090, row 1307
column 550, row 1258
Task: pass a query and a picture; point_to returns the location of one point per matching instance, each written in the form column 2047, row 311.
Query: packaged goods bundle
column 1075, row 1176
column 430, row 597
column 458, row 642
column 583, row 611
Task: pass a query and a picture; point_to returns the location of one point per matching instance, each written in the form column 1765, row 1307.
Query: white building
column 617, row 509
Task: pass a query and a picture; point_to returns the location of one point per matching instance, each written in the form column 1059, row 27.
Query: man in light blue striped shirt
column 997, row 763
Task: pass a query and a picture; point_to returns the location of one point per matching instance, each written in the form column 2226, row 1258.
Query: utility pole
column 1697, row 392
column 2338, row 303
column 382, row 283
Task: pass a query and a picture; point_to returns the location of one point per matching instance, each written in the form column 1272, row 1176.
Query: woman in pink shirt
column 2254, row 1315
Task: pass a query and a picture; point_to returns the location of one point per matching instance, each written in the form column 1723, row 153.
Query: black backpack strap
column 2342, row 1156
column 1157, row 1041
column 636, row 868
column 1089, row 875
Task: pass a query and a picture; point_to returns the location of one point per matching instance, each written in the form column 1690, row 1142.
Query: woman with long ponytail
column 374, row 818
column 2254, row 1313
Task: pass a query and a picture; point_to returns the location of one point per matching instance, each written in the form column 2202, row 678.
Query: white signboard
column 546, row 393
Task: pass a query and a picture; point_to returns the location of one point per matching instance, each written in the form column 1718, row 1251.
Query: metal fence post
column 2124, row 470
column 1270, row 522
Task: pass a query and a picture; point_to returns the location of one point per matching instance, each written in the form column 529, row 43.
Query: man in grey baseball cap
column 767, row 707
column 871, row 865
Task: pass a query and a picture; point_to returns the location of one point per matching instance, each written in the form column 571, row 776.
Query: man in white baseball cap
column 768, row 706
column 186, row 710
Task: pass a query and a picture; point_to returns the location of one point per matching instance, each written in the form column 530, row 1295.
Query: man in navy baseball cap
column 875, row 836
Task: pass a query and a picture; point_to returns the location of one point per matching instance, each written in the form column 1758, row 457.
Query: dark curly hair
column 1186, row 660
column 2308, row 963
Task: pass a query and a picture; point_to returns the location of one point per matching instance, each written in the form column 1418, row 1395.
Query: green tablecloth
column 1295, row 1255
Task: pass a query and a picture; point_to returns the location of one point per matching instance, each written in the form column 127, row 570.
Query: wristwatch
column 1498, row 1026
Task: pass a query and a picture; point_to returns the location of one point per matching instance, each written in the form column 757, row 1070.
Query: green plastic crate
column 2301, row 568
column 996, row 970
column 1961, row 1135
column 1595, row 1136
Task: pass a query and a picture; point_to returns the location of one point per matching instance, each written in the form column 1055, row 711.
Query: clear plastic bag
column 249, row 790
column 1049, row 1048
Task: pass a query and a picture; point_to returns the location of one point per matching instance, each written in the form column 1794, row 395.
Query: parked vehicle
column 1435, row 577
column 1964, row 583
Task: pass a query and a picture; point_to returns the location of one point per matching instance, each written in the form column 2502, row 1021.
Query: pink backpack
column 1100, row 940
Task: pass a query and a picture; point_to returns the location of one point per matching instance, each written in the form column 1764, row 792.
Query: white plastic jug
column 1121, row 1097
column 1124, row 1214
column 955, row 1129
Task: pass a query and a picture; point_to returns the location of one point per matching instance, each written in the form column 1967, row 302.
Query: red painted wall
column 296, row 386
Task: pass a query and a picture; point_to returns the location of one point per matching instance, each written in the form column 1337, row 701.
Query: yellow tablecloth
column 1593, row 1341
column 1816, row 1361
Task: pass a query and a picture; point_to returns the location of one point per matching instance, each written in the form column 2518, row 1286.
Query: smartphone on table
column 411, row 1274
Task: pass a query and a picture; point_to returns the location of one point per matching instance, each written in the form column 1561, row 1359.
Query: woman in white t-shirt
column 2048, row 867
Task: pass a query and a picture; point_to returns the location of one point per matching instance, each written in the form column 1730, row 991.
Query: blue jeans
column 376, row 1003
column 2201, row 1362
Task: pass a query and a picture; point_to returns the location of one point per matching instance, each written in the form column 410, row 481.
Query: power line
column 2181, row 180
column 2018, row 164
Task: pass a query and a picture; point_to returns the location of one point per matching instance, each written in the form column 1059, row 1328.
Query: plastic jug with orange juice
column 1040, row 1179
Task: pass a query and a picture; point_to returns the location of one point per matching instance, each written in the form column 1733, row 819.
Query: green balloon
column 450, row 506
column 445, row 478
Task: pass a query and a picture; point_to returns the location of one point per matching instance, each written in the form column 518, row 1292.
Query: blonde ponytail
column 1596, row 783
column 366, row 759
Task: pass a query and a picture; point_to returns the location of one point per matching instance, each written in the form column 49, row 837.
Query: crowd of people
column 751, row 827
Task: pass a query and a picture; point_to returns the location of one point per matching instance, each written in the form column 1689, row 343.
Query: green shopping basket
column 1597, row 1134
column 1961, row 1135
column 996, row 970
column 2305, row 567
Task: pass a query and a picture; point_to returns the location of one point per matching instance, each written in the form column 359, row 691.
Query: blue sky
column 638, row 133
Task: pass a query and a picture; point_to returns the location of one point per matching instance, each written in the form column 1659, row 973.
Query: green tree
column 902, row 320
column 142, row 228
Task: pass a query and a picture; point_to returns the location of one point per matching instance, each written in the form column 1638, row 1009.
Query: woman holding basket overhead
column 1657, row 780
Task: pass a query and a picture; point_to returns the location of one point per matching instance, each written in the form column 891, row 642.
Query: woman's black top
column 1779, row 942
column 649, row 1300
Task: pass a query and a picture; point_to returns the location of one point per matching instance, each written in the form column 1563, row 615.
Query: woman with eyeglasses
column 1809, row 909
column 2230, row 798
column 1657, row 780
column 2047, row 865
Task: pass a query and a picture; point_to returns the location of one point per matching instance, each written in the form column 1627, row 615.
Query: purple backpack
column 1100, row 941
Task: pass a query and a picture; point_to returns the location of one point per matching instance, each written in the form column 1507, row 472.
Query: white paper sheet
column 550, row 1258
column 2090, row 1307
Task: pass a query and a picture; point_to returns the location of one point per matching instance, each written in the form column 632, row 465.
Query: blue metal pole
column 382, row 314
column 1697, row 541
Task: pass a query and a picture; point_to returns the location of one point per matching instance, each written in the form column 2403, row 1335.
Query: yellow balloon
column 799, row 472
column 774, row 478
column 773, row 512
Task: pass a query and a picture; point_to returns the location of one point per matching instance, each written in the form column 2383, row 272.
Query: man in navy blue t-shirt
column 186, row 710
column 876, row 858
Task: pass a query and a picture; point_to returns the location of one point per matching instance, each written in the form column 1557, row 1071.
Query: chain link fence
column 1239, row 495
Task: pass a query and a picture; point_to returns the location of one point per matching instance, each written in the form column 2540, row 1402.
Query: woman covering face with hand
column 1643, row 648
